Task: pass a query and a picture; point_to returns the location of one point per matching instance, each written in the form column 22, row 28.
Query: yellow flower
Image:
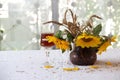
column 61, row 44
column 104, row 46
column 85, row 40
column 51, row 38
column 64, row 45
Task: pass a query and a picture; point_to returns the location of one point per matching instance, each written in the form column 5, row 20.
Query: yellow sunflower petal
column 113, row 39
column 71, row 69
column 51, row 38
column 67, row 69
column 94, row 67
column 76, row 68
column 103, row 47
column 48, row 66
column 108, row 63
column 61, row 44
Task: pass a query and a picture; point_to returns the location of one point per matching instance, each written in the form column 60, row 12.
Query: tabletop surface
column 28, row 65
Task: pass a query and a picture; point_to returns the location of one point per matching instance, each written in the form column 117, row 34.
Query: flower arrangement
column 84, row 35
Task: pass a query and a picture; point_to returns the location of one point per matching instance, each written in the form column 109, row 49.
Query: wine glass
column 46, row 31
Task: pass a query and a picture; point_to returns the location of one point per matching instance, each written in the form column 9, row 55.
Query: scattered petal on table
column 94, row 67
column 67, row 69
column 108, row 63
column 48, row 66
column 71, row 69
column 76, row 68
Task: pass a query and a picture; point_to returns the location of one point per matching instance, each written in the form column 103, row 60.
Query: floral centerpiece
column 85, row 38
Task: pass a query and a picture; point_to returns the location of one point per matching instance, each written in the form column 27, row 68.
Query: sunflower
column 61, row 44
column 51, row 39
column 104, row 46
column 85, row 40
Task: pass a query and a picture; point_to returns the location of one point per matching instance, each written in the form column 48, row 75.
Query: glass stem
column 47, row 56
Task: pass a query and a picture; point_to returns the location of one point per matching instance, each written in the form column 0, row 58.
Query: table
column 28, row 65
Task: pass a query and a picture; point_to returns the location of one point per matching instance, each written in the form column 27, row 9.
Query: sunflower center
column 87, row 40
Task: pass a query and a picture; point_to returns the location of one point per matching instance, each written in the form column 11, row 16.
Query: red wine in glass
column 44, row 41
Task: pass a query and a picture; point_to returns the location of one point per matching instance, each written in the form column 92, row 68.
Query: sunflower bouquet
column 84, row 35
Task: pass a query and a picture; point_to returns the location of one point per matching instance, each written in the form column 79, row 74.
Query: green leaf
column 97, row 29
column 70, row 37
column 58, row 34
column 63, row 51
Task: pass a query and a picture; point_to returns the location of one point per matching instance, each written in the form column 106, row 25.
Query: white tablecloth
column 28, row 65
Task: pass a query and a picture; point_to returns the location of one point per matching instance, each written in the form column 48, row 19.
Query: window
column 21, row 20
column 21, row 28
